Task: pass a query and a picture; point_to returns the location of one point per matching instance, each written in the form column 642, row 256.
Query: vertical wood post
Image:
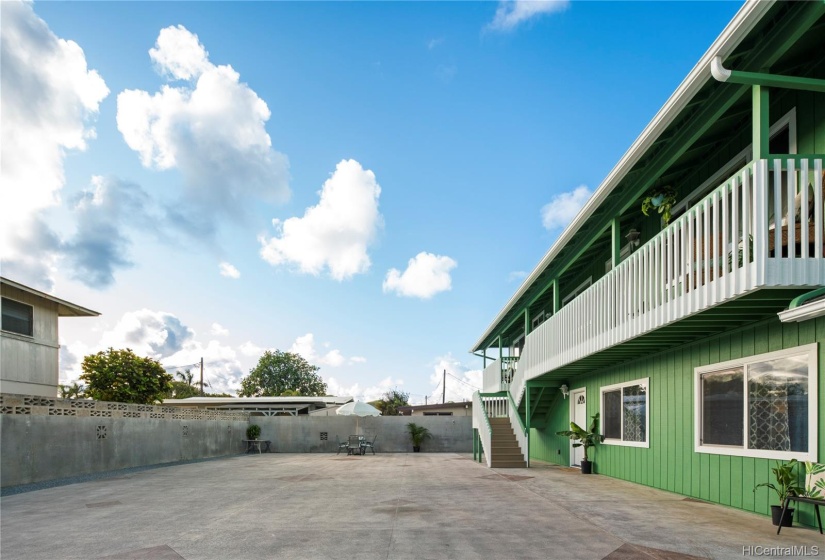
column 761, row 122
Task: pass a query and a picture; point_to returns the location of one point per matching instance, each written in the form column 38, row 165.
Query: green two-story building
column 700, row 340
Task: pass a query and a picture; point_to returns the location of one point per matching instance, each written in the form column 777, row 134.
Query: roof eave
column 742, row 23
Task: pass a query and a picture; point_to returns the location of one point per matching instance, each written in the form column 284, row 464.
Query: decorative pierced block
column 62, row 412
column 83, row 404
column 37, row 401
column 115, row 406
column 102, row 413
column 324, row 436
column 6, row 410
column 156, row 415
column 145, row 408
column 131, row 414
column 101, row 432
column 185, row 431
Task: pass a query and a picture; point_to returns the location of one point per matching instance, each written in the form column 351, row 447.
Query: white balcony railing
column 497, row 376
column 763, row 227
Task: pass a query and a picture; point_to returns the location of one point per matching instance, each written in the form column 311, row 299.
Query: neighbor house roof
column 321, row 402
column 64, row 308
column 738, row 29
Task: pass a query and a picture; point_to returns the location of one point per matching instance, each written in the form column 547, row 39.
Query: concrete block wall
column 37, row 448
column 302, row 434
column 49, row 438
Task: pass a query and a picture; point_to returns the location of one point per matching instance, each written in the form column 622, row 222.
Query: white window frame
column 579, row 289
column 813, row 404
column 644, row 381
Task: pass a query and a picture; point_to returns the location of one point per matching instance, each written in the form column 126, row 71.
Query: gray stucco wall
column 302, row 434
column 38, row 448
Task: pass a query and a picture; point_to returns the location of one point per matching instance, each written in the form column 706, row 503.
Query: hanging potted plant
column 660, row 199
column 585, row 439
column 418, row 434
column 785, row 486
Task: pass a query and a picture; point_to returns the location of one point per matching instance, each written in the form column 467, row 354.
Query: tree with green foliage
column 390, row 401
column 278, row 372
column 123, row 376
column 181, row 390
column 73, row 391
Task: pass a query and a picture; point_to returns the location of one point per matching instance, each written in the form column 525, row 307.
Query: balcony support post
column 616, row 242
column 556, row 299
column 761, row 122
column 526, row 322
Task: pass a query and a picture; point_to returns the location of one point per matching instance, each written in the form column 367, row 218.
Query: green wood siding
column 670, row 462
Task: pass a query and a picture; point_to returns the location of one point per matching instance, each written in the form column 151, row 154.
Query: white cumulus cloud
column 512, row 13
column 211, row 128
column 155, row 334
column 305, row 346
column 229, row 271
column 219, row 330
column 563, row 207
column 336, row 233
column 49, row 97
column 426, row 275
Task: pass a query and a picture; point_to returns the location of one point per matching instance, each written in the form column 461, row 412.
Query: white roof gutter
column 742, row 23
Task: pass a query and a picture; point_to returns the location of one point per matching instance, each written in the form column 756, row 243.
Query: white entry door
column 578, row 414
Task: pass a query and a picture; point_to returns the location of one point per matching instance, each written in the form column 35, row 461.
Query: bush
column 253, row 431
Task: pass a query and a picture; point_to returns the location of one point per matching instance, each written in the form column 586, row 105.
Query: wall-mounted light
column 633, row 237
column 564, row 391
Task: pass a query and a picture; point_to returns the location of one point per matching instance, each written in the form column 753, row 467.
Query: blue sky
column 364, row 183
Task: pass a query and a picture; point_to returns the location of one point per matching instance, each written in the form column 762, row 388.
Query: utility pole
column 444, row 388
column 201, row 375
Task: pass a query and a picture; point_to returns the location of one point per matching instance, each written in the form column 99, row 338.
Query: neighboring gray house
column 29, row 345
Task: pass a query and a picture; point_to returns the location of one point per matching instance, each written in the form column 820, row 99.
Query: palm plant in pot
column 584, row 439
column 785, row 486
column 418, row 434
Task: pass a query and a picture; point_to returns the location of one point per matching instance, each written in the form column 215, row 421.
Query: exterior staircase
column 505, row 452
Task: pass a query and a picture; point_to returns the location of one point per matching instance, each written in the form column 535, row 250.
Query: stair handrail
column 485, row 431
column 522, row 435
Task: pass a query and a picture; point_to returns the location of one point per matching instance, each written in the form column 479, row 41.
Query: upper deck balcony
column 762, row 228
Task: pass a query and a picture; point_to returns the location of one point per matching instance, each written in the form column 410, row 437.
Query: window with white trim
column 761, row 406
column 624, row 415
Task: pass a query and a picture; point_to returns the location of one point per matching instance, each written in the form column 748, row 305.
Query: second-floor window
column 18, row 317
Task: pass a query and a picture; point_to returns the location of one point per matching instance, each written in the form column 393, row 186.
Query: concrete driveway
column 399, row 506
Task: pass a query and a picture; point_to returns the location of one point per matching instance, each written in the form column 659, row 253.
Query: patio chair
column 341, row 444
column 366, row 444
column 354, row 445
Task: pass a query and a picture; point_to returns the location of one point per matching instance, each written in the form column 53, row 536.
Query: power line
column 462, row 381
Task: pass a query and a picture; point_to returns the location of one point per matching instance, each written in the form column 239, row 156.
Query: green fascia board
column 776, row 81
column 688, row 130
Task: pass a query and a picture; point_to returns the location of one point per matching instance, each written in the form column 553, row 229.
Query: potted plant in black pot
column 785, row 486
column 585, row 439
column 418, row 434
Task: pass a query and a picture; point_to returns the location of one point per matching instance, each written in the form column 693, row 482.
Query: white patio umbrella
column 358, row 409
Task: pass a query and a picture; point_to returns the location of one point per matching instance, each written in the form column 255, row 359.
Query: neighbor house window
column 762, row 406
column 17, row 317
column 624, row 413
